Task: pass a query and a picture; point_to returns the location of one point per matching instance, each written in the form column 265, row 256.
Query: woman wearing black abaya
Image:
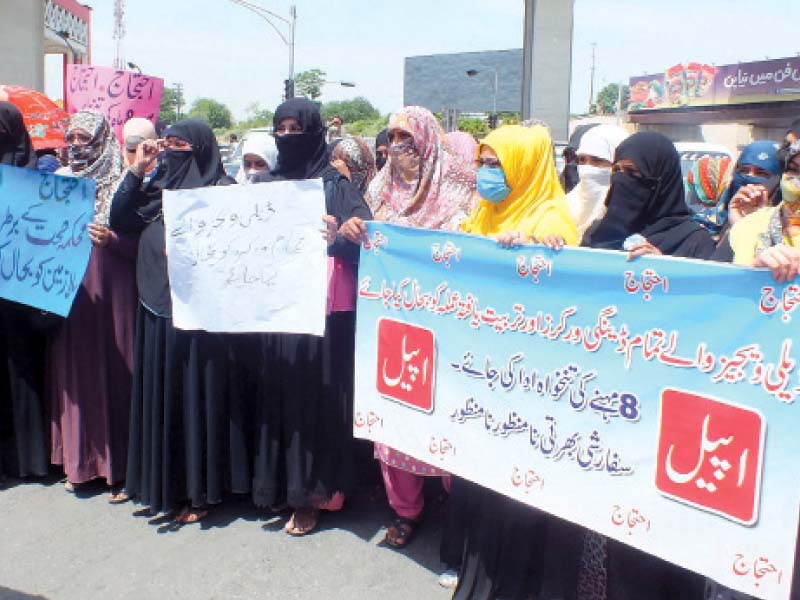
column 23, row 447
column 304, row 436
column 179, row 427
column 646, row 198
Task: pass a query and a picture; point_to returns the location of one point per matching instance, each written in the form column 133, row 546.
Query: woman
column 506, row 541
column 426, row 185
column 23, row 450
column 646, row 208
column 352, row 158
column 91, row 353
column 569, row 176
column 304, row 435
column 134, row 132
column 594, row 157
column 381, row 148
column 259, row 154
column 179, row 424
column 463, row 144
column 706, row 183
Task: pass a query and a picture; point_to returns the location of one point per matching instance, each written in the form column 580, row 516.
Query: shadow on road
column 8, row 594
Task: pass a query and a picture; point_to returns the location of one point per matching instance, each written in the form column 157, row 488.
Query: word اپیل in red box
column 406, row 363
column 710, row 454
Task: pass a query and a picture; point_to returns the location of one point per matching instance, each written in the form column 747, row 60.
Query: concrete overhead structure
column 547, row 63
column 29, row 29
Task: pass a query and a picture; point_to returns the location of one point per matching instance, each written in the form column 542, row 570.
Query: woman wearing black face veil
column 304, row 436
column 180, row 432
column 23, row 448
column 647, row 198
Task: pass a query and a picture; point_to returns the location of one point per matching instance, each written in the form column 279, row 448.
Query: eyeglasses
column 492, row 163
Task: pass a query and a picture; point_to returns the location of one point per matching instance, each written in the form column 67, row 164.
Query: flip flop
column 190, row 515
column 404, row 532
column 312, row 514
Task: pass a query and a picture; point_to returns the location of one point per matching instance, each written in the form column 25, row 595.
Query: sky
column 220, row 50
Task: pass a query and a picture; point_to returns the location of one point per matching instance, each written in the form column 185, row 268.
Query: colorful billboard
column 698, row 84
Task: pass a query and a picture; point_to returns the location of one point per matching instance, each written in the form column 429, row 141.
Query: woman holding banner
column 179, row 431
column 23, row 450
column 508, row 548
column 305, row 416
column 91, row 353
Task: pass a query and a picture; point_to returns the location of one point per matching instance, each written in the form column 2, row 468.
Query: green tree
column 367, row 127
column 350, row 111
column 256, row 117
column 216, row 114
column 477, row 127
column 607, row 98
column 168, row 113
column 309, row 83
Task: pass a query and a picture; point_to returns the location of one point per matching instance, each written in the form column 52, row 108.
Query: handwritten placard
column 44, row 242
column 654, row 401
column 248, row 258
column 119, row 95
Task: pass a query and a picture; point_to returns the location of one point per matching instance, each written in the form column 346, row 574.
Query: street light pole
column 472, row 73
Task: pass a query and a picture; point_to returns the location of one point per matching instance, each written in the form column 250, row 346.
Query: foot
column 303, row 521
column 191, row 514
column 118, row 497
column 69, row 486
column 400, row 532
column 449, row 579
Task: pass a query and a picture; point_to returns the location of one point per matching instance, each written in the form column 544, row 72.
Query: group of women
column 175, row 420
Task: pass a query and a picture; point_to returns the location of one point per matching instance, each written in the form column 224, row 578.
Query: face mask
column 628, row 190
column 740, row 180
column 492, row 184
column 81, row 156
column 296, row 148
column 595, row 176
column 790, row 192
column 380, row 160
column 405, row 159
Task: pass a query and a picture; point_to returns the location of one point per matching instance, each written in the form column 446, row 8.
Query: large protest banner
column 44, row 241
column 119, row 95
column 652, row 401
column 248, row 258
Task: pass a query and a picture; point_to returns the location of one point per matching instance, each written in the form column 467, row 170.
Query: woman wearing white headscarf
column 259, row 153
column 595, row 156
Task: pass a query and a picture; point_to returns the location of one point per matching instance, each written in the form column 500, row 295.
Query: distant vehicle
column 558, row 153
column 690, row 153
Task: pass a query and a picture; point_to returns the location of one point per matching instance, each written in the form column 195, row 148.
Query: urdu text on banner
column 654, row 401
column 248, row 258
column 44, row 238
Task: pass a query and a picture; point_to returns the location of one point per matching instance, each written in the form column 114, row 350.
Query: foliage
column 309, row 83
column 607, row 98
column 168, row 113
column 477, row 127
column 367, row 127
column 256, row 117
column 350, row 111
column 216, row 114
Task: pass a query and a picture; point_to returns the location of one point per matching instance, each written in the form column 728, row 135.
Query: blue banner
column 653, row 400
column 44, row 241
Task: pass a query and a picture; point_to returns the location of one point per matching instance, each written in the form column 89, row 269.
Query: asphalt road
column 59, row 546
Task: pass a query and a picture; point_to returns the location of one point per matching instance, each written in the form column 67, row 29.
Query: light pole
column 472, row 73
column 291, row 22
column 134, row 66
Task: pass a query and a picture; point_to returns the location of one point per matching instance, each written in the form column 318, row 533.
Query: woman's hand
column 748, row 199
column 146, row 155
column 354, row 230
column 554, row 242
column 783, row 261
column 330, row 229
column 509, row 239
column 100, row 235
column 641, row 249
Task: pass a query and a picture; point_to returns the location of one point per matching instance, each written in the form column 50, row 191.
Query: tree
column 256, row 117
column 477, row 127
column 212, row 112
column 607, row 98
column 350, row 111
column 309, row 83
column 367, row 127
column 168, row 113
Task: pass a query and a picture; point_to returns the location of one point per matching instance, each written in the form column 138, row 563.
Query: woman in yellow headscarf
column 505, row 541
column 521, row 197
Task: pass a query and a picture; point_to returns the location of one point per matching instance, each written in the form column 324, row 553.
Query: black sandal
column 404, row 529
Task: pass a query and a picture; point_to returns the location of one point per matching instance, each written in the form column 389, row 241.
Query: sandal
column 118, row 497
column 401, row 532
column 303, row 521
column 189, row 515
column 69, row 486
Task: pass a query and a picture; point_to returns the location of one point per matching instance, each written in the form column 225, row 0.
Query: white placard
column 248, row 258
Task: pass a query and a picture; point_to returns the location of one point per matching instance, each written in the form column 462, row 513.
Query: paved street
column 59, row 547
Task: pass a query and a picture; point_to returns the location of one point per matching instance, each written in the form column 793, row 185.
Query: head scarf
column 137, row 130
column 356, row 155
column 464, row 145
column 303, row 155
column 104, row 156
column 382, row 139
column 587, row 199
column 569, row 176
column 200, row 167
column 762, row 154
column 48, row 163
column 423, row 184
column 536, row 204
column 705, row 191
column 261, row 144
column 15, row 143
column 653, row 206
